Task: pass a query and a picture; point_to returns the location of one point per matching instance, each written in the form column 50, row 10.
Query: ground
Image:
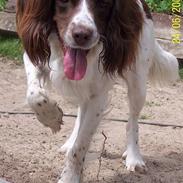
column 29, row 151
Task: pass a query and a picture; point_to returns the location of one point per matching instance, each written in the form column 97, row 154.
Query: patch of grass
column 145, row 116
column 181, row 73
column 161, row 6
column 152, row 103
column 11, row 48
column 2, row 4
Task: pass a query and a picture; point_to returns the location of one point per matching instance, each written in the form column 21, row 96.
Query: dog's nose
column 82, row 35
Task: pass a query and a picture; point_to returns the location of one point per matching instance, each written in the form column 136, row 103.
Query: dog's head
column 81, row 25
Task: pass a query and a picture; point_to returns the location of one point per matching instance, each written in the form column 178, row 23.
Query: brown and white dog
column 82, row 47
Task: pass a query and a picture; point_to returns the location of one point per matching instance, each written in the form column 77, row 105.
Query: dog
column 82, row 47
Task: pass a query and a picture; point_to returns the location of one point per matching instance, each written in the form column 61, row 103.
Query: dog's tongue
column 75, row 63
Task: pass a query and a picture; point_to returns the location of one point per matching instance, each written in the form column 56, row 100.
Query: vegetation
column 160, row 5
column 181, row 73
column 2, row 4
column 164, row 6
column 10, row 48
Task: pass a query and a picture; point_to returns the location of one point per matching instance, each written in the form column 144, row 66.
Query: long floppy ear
column 34, row 24
column 122, row 36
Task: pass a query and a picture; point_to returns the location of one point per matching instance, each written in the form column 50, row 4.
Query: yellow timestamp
column 176, row 21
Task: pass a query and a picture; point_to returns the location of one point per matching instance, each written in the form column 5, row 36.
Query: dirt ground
column 29, row 151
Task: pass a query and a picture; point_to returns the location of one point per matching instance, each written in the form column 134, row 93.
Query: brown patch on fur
column 119, row 23
column 75, row 155
column 39, row 104
column 34, row 24
column 64, row 15
column 146, row 9
column 120, row 27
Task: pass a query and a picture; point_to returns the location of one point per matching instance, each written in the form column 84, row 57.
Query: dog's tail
column 165, row 68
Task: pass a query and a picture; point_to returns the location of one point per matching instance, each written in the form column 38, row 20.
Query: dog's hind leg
column 46, row 110
column 136, row 94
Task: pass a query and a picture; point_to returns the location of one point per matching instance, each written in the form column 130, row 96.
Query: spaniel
column 82, row 47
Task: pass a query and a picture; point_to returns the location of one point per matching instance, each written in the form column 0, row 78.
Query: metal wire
column 106, row 119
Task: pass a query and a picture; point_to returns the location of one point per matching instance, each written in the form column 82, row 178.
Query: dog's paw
column 51, row 116
column 134, row 162
column 47, row 111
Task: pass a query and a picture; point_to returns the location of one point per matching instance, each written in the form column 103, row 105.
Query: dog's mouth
column 75, row 63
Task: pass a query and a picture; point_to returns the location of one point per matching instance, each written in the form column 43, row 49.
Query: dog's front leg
column 91, row 115
column 70, row 142
column 46, row 110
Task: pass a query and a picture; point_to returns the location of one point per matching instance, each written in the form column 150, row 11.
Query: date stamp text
column 176, row 21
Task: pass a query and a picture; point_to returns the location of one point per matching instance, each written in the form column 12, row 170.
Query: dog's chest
column 93, row 83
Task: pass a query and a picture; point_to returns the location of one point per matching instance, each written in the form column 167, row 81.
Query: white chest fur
column 93, row 83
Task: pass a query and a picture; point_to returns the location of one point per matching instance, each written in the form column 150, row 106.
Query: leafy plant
column 160, row 5
column 2, row 4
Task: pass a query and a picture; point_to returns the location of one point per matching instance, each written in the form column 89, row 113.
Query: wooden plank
column 7, row 21
column 8, row 33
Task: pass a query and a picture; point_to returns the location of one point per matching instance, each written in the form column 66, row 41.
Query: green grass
column 2, row 4
column 152, row 103
column 145, row 116
column 161, row 6
column 11, row 48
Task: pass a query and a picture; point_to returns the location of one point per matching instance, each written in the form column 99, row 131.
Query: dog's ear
column 34, row 24
column 122, row 36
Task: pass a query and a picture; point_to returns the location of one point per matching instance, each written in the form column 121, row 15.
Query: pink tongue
column 75, row 64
